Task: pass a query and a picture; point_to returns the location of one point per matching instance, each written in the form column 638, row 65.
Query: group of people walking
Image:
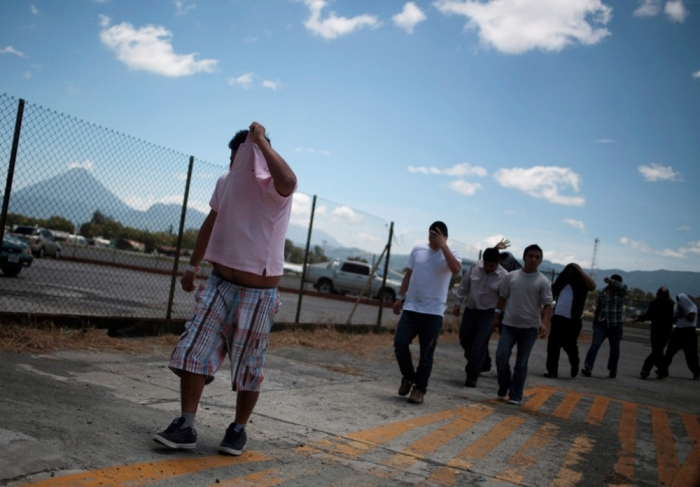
column 520, row 304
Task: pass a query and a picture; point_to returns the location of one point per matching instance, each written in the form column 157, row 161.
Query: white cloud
column 143, row 203
column 684, row 228
column 333, row 26
column 12, row 50
column 696, row 74
column 656, row 172
column 272, row 85
column 464, row 187
column 27, row 75
column 368, row 237
column 605, row 141
column 182, row 7
column 346, row 214
column 648, row 8
column 245, row 81
column 543, row 182
column 182, row 176
column 576, row 224
column 34, row 9
column 559, row 258
column 73, row 89
column 409, row 17
column 149, row 48
column 87, row 164
column 306, row 150
column 672, row 253
column 458, row 170
column 517, row 26
column 635, row 244
column 675, row 10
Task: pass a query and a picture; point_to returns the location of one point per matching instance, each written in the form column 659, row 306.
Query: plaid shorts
column 228, row 319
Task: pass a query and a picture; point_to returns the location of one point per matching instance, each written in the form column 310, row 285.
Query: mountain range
column 77, row 194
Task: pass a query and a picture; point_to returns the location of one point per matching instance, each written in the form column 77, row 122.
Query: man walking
column 421, row 303
column 243, row 238
column 570, row 290
column 607, row 323
column 481, row 283
column 684, row 337
column 528, row 294
column 660, row 313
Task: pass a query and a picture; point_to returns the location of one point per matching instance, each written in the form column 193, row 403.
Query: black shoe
column 405, row 387
column 486, row 367
column 696, row 376
column 470, row 383
column 585, row 372
column 549, row 375
column 612, row 374
column 661, row 375
column 177, row 436
column 574, row 370
column 644, row 374
column 234, row 440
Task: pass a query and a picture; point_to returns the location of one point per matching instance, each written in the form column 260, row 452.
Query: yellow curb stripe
column 444, row 476
column 666, row 455
column 689, row 474
column 567, row 476
column 597, row 411
column 526, row 457
column 538, row 400
column 486, row 443
column 627, row 433
column 568, row 405
column 147, row 473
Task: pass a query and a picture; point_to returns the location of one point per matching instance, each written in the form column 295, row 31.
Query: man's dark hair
column 616, row 277
column 491, row 255
column 440, row 226
column 532, row 247
column 239, row 138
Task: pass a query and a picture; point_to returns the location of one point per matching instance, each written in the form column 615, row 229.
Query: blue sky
column 545, row 121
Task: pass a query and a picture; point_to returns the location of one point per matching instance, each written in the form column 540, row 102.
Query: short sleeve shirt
column 430, row 280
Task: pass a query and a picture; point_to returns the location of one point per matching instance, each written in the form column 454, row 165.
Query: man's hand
column 437, row 238
column 495, row 322
column 542, row 331
column 455, row 310
column 398, row 306
column 187, row 281
column 503, row 244
column 257, row 132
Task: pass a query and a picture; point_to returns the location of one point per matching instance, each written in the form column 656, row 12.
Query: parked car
column 14, row 255
column 344, row 276
column 40, row 240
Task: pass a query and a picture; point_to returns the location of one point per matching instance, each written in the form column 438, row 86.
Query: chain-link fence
column 92, row 225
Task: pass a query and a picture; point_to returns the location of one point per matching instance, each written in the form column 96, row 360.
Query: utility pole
column 594, row 262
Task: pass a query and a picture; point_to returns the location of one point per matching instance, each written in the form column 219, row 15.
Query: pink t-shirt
column 252, row 217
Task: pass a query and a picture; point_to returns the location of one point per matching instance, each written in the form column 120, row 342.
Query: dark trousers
column 601, row 331
column 427, row 328
column 474, row 335
column 514, row 383
column 685, row 339
column 563, row 334
column 659, row 339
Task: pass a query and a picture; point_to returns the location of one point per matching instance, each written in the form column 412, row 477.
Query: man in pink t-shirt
column 243, row 238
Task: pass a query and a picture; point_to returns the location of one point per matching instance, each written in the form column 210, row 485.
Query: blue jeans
column 427, row 328
column 525, row 339
column 474, row 334
column 601, row 331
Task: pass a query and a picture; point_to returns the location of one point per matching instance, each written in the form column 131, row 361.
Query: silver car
column 40, row 240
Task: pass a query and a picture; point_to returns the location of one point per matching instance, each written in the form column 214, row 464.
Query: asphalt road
column 66, row 287
column 332, row 419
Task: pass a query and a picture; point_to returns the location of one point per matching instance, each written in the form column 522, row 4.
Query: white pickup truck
column 346, row 276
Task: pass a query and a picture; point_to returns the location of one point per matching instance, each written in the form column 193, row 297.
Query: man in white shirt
column 529, row 296
column 684, row 336
column 421, row 303
column 481, row 283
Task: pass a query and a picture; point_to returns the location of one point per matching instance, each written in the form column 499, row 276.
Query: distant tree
column 59, row 223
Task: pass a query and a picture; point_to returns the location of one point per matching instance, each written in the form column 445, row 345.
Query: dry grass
column 45, row 338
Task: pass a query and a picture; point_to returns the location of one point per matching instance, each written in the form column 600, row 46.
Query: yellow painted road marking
column 538, row 400
column 527, row 455
column 627, row 432
column 567, row 476
column 487, row 442
column 689, row 474
column 567, row 406
column 444, row 476
column 666, row 455
column 468, row 417
column 147, row 473
column 597, row 411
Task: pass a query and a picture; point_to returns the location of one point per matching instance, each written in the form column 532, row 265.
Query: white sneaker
column 513, row 402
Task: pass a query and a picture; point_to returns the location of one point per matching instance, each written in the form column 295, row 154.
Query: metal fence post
column 306, row 255
column 11, row 169
column 178, row 245
column 386, row 274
